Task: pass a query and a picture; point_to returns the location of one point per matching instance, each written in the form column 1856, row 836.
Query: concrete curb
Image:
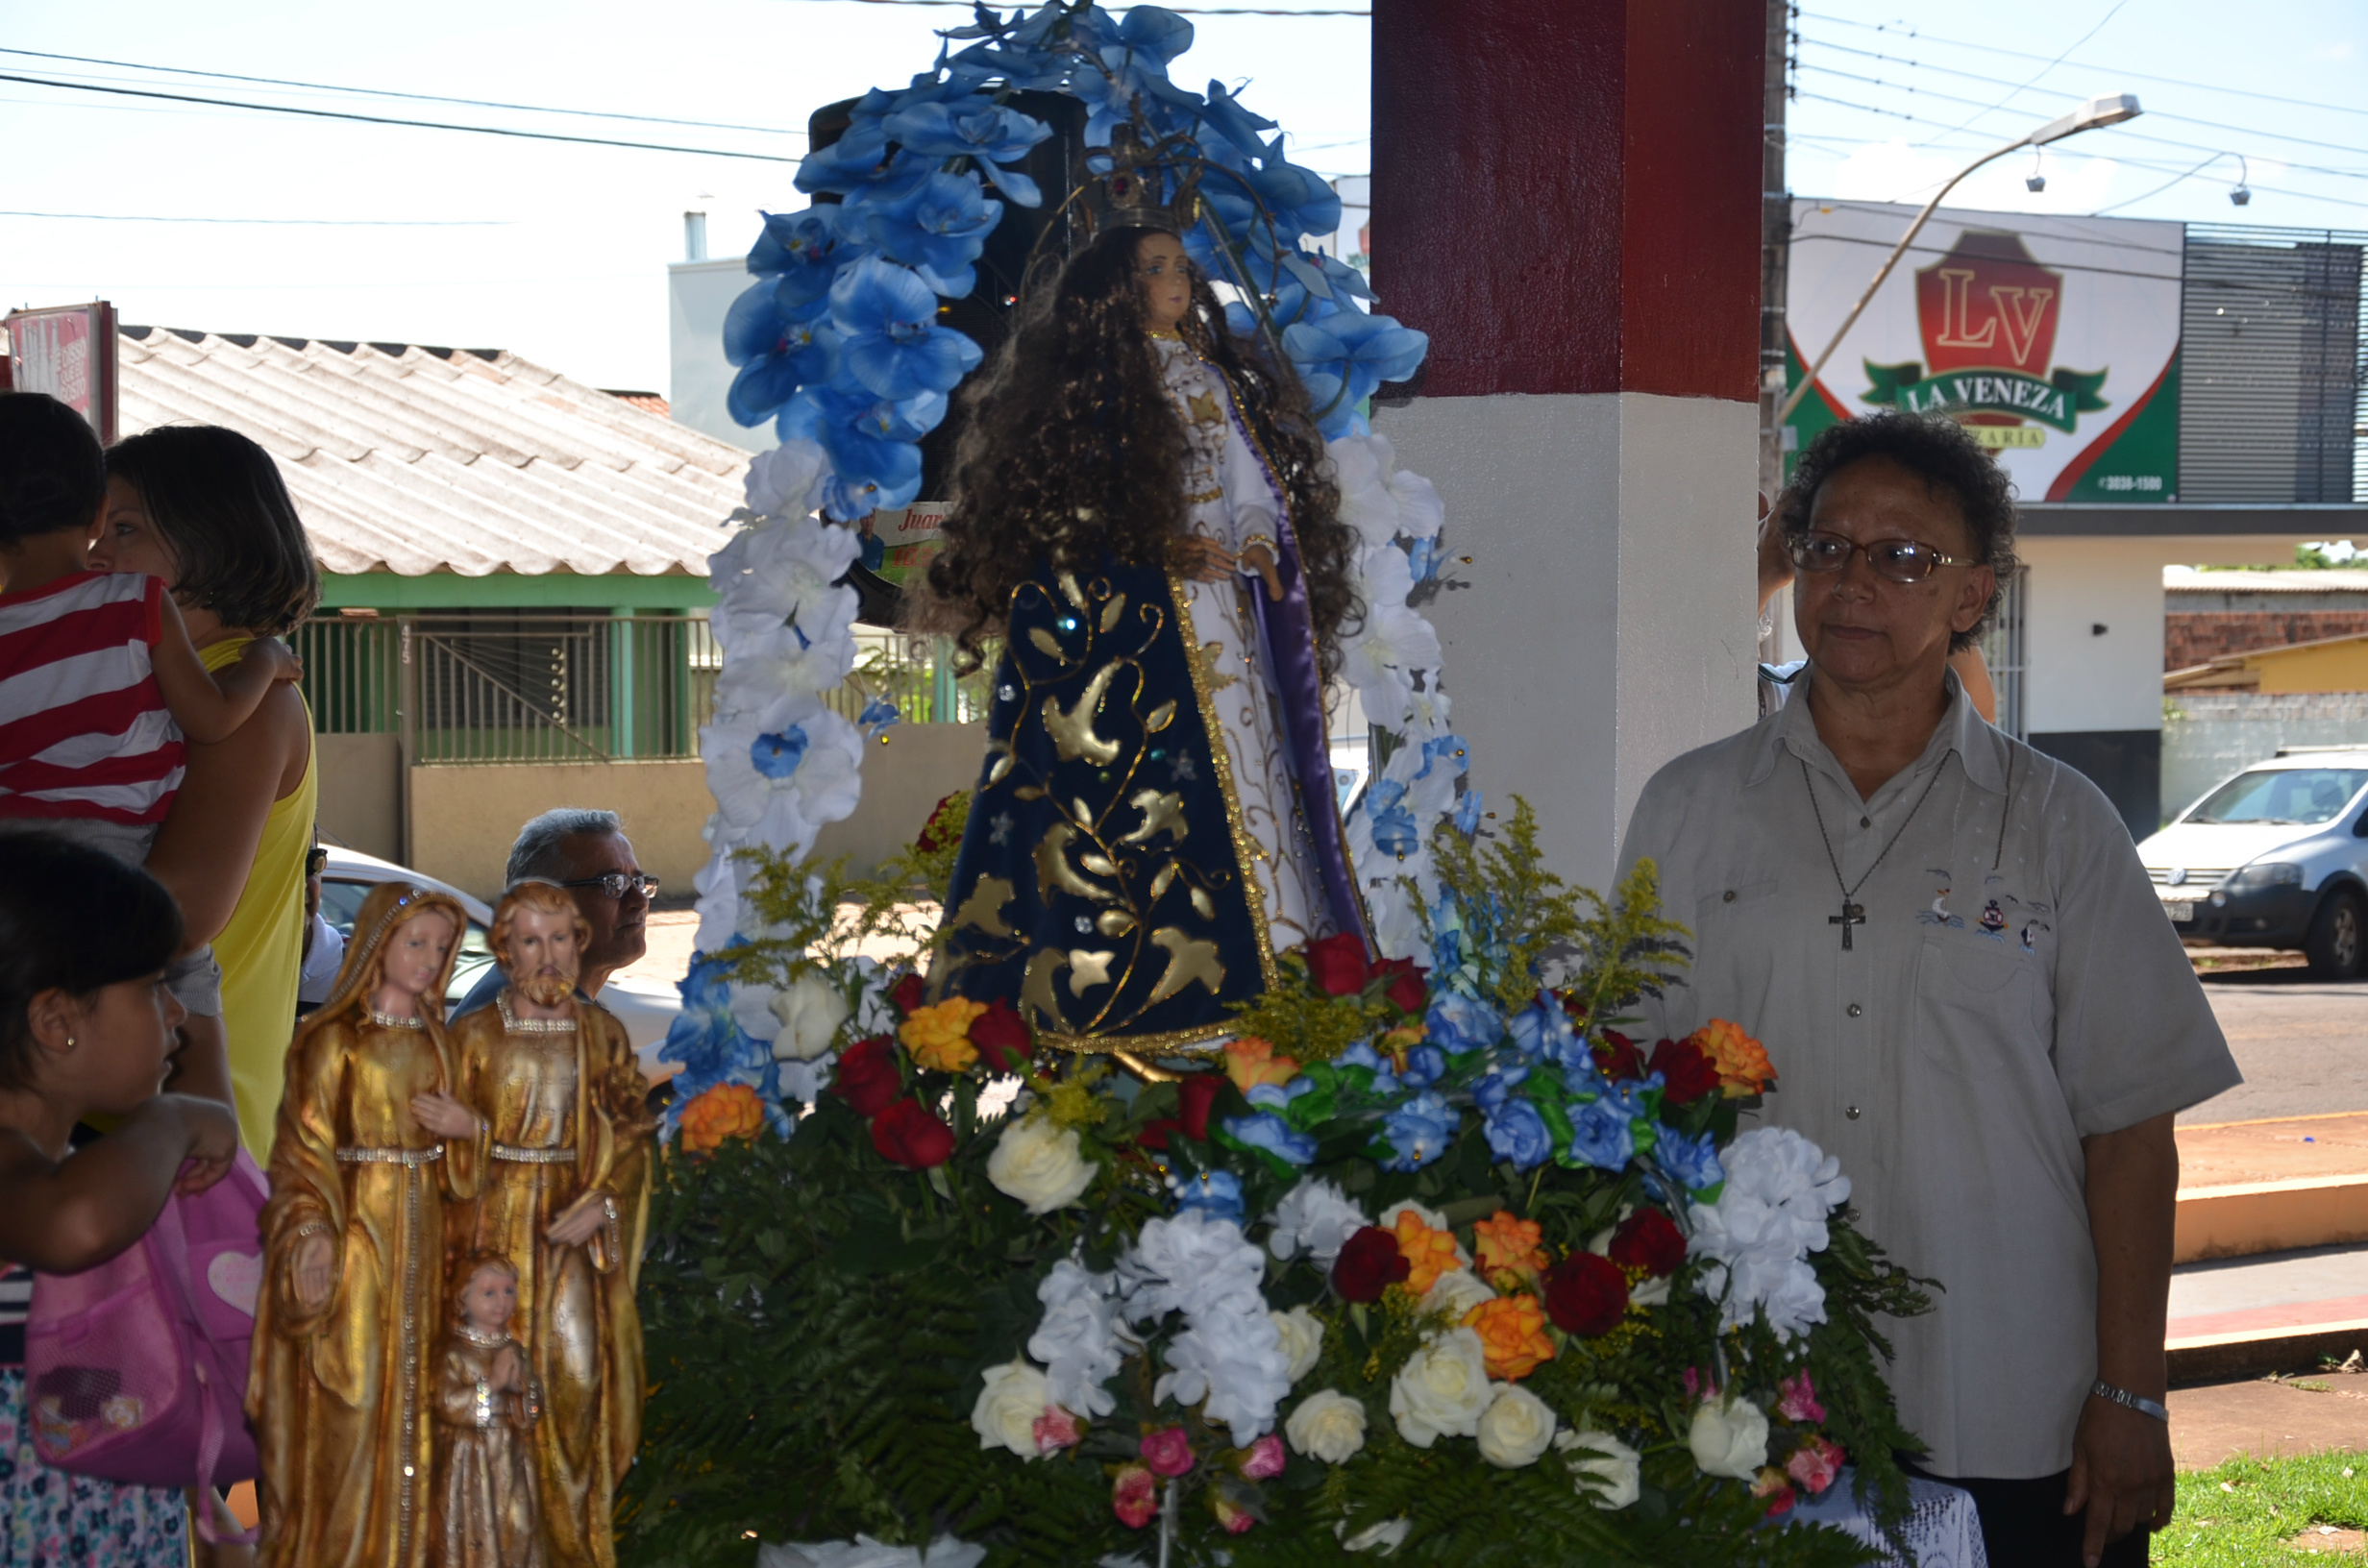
column 2218, row 1358
column 2240, row 1220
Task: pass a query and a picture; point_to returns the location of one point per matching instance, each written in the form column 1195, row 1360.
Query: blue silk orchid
column 887, row 321
column 978, row 128
column 777, row 352
column 805, row 251
column 1345, row 358
column 937, row 229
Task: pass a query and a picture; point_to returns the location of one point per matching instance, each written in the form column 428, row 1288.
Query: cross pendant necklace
column 1854, row 913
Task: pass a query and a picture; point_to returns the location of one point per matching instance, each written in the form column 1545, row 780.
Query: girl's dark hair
column 1953, row 466
column 218, row 500
column 71, row 920
column 1072, row 448
column 53, row 474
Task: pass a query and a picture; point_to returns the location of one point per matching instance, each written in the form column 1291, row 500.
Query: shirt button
column 1864, row 822
column 1852, row 1112
column 1728, row 897
column 1855, row 1009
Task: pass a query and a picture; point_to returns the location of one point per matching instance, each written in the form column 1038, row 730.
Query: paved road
column 2302, row 1043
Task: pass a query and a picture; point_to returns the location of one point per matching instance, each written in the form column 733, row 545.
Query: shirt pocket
column 1981, row 1004
column 1737, row 951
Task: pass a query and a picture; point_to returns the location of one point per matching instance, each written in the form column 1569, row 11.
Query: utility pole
column 1775, row 251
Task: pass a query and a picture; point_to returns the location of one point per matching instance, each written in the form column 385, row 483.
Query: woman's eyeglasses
column 1902, row 560
column 615, row 884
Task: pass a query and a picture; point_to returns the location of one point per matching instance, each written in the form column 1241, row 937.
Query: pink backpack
column 137, row 1370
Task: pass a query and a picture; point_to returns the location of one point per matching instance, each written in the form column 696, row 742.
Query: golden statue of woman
column 354, row 1250
column 560, row 1112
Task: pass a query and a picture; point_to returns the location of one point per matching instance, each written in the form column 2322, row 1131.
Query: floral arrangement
column 1438, row 1263
column 837, row 342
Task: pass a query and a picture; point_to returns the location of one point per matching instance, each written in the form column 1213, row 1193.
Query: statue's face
column 414, row 954
column 544, row 955
column 490, row 1299
column 1166, row 278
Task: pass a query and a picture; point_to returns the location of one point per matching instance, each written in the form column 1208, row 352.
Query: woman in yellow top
column 204, row 508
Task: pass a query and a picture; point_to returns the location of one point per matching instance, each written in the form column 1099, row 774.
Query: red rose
column 1585, row 1295
column 1647, row 1239
column 867, row 1079
column 1338, row 964
column 1407, row 993
column 1001, row 1037
column 908, row 994
column 1195, row 1093
column 1686, row 1074
column 1618, row 1057
column 931, row 838
column 911, row 1136
column 1573, row 1007
column 1368, row 1264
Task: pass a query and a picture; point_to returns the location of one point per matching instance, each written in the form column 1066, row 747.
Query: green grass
column 2241, row 1514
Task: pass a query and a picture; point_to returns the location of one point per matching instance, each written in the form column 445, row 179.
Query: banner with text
column 2053, row 339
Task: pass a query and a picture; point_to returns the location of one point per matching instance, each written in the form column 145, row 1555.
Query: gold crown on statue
column 1128, row 196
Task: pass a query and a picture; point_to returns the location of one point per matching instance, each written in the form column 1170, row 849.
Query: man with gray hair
column 586, row 852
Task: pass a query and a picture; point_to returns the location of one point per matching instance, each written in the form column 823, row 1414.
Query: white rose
column 1612, row 1472
column 1302, row 1333
column 1516, row 1428
column 1729, row 1438
column 1327, row 1426
column 1386, row 1537
column 811, row 1010
column 1008, row 1406
column 1038, row 1163
column 1442, row 1390
column 1457, row 1292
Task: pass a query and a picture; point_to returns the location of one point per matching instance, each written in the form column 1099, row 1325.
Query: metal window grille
column 2273, row 405
column 2002, row 650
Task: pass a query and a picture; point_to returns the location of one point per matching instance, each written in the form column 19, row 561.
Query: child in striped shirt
column 99, row 682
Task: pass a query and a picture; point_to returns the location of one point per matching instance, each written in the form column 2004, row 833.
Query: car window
column 2295, row 796
column 476, row 957
column 341, row 902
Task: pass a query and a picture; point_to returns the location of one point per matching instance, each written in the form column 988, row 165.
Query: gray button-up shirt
column 2014, row 989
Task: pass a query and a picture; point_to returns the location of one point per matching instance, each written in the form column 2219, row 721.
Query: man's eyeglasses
column 615, row 883
column 1902, row 560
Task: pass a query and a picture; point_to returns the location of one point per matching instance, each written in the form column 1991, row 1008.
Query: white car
column 646, row 1009
column 2275, row 857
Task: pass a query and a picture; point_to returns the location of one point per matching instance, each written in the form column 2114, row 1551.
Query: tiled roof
column 2187, row 579
column 412, row 461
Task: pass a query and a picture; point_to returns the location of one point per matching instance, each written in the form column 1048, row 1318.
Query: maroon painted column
column 1566, row 199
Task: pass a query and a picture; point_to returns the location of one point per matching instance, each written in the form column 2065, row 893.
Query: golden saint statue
column 354, row 1250
column 562, row 1129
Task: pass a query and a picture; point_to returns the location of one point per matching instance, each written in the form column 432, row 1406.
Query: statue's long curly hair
column 1073, row 448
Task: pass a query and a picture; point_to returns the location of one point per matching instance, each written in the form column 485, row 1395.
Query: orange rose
column 1503, row 1244
column 1250, row 1061
column 1513, row 1338
column 940, row 1036
column 726, row 1111
column 1428, row 1253
column 1743, row 1066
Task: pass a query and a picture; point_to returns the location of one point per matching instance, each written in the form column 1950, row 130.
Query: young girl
column 86, row 1029
column 487, row 1514
column 1143, row 511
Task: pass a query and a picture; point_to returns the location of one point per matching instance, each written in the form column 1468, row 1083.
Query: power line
column 381, row 119
column 2152, row 114
column 2110, row 15
column 2126, row 135
column 2143, row 76
column 2136, row 163
column 415, row 97
column 334, row 223
column 2160, row 189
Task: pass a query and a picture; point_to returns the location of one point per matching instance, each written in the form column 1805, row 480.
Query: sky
column 558, row 251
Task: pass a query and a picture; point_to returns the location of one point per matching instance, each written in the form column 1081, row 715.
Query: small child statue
column 488, row 1513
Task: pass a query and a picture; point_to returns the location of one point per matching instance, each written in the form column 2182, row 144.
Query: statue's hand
column 445, row 1117
column 1204, row 560
column 1261, row 560
column 508, row 1376
column 578, row 1221
column 312, row 1258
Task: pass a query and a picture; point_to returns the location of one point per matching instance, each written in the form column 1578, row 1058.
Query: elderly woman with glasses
column 1947, row 942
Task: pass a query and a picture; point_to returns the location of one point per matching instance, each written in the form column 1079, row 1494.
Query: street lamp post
column 2112, row 109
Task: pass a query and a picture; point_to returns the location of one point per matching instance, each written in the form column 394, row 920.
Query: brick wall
column 2193, row 639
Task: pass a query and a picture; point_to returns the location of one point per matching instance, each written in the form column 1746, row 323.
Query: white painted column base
column 1605, row 620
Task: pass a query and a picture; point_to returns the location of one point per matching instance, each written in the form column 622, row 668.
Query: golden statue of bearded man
column 559, row 1110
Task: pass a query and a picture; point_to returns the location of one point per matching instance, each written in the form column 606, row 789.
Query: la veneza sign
column 2058, row 401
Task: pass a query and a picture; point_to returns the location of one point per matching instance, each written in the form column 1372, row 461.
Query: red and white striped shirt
column 84, row 729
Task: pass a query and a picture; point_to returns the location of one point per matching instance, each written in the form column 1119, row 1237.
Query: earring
column 69, row 1043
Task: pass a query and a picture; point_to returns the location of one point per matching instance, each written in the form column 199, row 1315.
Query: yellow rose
column 726, row 1111
column 940, row 1036
column 1428, row 1253
column 1250, row 1061
column 1504, row 1243
column 1513, row 1337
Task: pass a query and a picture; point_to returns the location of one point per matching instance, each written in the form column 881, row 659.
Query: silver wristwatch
column 2128, row 1400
